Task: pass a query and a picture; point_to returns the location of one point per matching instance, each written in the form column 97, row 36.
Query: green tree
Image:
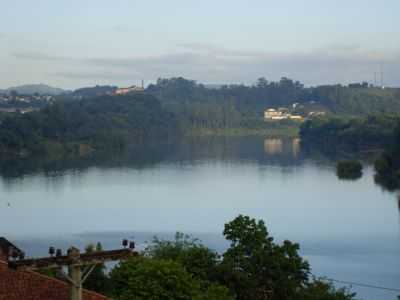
column 197, row 259
column 97, row 281
column 320, row 290
column 155, row 279
column 254, row 267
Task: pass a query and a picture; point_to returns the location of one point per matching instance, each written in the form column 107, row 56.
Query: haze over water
column 349, row 230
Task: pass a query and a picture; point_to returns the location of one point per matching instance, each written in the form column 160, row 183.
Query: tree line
column 353, row 99
column 355, row 133
column 98, row 122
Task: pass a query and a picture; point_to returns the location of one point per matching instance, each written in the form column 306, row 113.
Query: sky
column 76, row 43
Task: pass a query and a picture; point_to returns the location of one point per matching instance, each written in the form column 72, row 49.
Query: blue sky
column 78, row 43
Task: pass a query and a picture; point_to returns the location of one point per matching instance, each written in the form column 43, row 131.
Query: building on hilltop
column 280, row 114
column 129, row 90
column 29, row 285
column 273, row 114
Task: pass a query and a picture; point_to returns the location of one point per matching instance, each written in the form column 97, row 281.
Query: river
column 348, row 230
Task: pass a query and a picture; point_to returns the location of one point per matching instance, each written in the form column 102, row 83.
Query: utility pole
column 80, row 266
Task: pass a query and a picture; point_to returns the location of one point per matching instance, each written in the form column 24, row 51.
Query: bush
column 349, row 169
column 149, row 278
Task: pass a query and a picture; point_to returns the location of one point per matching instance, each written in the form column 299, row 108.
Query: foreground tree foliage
column 151, row 278
column 320, row 290
column 254, row 267
column 197, row 259
column 98, row 280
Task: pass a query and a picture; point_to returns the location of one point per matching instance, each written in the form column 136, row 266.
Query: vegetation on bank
column 387, row 166
column 353, row 100
column 85, row 120
column 229, row 107
column 83, row 125
column 354, row 134
column 276, row 130
column 349, row 169
column 253, row 267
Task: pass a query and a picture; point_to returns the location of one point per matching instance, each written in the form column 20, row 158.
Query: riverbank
column 290, row 131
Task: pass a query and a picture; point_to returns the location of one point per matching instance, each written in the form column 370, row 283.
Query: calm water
column 349, row 230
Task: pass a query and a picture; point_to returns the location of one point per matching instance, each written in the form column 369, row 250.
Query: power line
column 362, row 285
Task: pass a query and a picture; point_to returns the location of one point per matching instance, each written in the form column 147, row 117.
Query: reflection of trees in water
column 265, row 152
column 271, row 151
column 285, row 153
column 139, row 156
column 275, row 146
column 388, row 183
column 398, row 201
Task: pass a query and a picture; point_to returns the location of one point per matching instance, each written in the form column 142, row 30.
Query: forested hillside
column 99, row 122
column 374, row 131
column 354, row 99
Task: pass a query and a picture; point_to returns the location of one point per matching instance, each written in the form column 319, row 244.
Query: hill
column 101, row 122
column 352, row 100
column 42, row 89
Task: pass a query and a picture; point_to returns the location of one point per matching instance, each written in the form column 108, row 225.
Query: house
column 280, row 114
column 129, row 90
column 273, row 114
column 28, row 285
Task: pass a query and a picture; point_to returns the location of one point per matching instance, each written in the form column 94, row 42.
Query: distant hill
column 30, row 89
column 97, row 90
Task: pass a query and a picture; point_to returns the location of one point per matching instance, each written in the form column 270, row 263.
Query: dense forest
column 83, row 118
column 357, row 133
column 354, row 99
column 100, row 122
column 240, row 106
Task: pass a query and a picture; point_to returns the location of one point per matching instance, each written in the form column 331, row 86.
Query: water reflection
column 283, row 152
column 398, row 201
column 273, row 146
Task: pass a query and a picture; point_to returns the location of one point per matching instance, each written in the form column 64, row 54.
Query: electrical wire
column 361, row 284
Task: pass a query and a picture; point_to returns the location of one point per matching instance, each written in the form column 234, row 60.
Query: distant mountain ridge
column 30, row 89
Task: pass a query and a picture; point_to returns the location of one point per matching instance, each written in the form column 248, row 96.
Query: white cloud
column 211, row 63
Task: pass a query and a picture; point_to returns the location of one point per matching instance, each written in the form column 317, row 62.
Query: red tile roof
column 28, row 285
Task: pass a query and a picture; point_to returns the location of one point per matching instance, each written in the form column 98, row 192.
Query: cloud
column 211, row 63
column 37, row 56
